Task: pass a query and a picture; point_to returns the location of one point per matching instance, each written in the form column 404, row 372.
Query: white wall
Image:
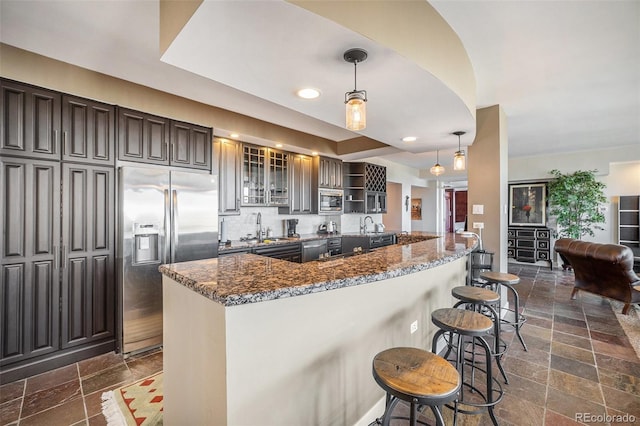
column 392, row 220
column 617, row 168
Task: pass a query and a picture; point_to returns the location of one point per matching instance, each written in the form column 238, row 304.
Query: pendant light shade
column 437, row 169
column 459, row 160
column 356, row 107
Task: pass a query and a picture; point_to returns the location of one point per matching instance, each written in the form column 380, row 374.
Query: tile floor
column 579, row 361
column 71, row 395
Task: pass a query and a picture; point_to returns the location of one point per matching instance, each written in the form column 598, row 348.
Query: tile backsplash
column 246, row 223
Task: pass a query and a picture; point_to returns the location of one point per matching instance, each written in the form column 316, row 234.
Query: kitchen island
column 255, row 340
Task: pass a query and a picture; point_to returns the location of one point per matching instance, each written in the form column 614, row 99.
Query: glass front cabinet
column 264, row 176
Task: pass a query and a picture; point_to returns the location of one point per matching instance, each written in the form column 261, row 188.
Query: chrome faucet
column 365, row 222
column 259, row 223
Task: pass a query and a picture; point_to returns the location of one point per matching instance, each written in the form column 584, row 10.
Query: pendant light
column 459, row 161
column 355, row 100
column 437, row 169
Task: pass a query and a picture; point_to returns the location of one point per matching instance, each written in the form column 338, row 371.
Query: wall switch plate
column 478, row 225
column 414, row 326
column 478, row 209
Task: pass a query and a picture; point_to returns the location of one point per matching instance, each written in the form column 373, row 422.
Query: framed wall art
column 528, row 203
column 416, row 209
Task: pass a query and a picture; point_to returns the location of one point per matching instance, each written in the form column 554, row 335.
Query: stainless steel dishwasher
column 311, row 250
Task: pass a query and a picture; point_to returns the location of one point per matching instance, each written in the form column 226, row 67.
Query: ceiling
column 566, row 73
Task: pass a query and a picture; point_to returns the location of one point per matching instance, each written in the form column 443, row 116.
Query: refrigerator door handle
column 167, row 213
column 174, row 226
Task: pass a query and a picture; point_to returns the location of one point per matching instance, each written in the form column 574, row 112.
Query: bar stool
column 459, row 324
column 486, row 302
column 415, row 376
column 495, row 279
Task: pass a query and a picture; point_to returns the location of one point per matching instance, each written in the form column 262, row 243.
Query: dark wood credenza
column 529, row 244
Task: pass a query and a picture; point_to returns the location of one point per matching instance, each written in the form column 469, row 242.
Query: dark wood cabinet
column 29, row 121
column 58, row 271
column 88, row 232
column 88, row 131
column 142, row 137
column 147, row 138
column 526, row 244
column 190, row 146
column 265, row 176
column 328, row 172
column 365, row 188
column 29, row 257
column 227, row 156
column 300, row 193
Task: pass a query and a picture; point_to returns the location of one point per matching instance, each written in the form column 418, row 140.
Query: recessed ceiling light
column 278, row 145
column 308, row 93
column 409, row 139
column 234, row 135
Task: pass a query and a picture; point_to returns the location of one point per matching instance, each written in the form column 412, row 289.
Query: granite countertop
column 238, row 279
column 241, row 244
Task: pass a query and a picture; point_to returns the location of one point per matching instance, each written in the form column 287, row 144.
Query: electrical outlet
column 478, row 225
column 414, row 326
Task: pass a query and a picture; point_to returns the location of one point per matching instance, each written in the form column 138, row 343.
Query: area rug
column 137, row 404
column 630, row 323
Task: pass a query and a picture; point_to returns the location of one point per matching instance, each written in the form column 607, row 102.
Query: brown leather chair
column 603, row 269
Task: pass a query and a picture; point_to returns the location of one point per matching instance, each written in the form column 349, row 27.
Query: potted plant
column 575, row 199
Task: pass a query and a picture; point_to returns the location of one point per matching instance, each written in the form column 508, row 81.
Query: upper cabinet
column 30, row 123
column 329, row 172
column 265, row 179
column 190, row 146
column 147, row 138
column 365, row 188
column 300, row 182
column 88, row 131
column 227, row 164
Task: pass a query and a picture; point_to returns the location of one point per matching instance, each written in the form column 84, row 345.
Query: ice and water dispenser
column 146, row 243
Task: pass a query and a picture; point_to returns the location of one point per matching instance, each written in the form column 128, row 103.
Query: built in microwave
column 330, row 201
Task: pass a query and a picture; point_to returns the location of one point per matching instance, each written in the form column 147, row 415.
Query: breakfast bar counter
column 255, row 340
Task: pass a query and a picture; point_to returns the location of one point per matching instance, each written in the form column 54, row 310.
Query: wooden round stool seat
column 470, row 294
column 460, row 321
column 416, row 376
column 500, row 277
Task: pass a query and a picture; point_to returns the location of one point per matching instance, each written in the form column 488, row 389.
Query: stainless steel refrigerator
column 166, row 217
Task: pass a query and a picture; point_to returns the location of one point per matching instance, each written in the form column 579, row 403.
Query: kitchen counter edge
column 237, row 279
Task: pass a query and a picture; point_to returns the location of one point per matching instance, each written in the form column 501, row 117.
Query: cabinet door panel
column 157, row 140
column 13, row 304
column 45, row 312
column 131, row 137
column 201, row 139
column 181, row 144
column 88, row 131
column 29, row 121
column 88, row 282
column 227, row 160
column 14, row 176
column 29, row 212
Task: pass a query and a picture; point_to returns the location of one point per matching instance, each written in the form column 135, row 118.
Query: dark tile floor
column 71, row 395
column 579, row 361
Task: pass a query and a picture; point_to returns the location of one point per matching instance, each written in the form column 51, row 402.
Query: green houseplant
column 575, row 199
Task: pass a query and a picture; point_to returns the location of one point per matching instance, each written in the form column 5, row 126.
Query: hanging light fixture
column 437, row 169
column 356, row 100
column 459, row 161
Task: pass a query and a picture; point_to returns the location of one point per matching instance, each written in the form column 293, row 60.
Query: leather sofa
column 603, row 269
